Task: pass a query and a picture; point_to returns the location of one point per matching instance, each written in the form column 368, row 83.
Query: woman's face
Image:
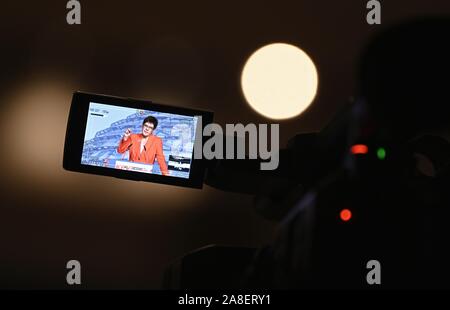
column 147, row 129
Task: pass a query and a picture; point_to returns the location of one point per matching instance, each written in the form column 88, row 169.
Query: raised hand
column 127, row 134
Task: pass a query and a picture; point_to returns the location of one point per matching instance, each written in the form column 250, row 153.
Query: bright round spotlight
column 279, row 81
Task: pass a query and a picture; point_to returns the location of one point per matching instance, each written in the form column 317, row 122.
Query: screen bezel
column 75, row 133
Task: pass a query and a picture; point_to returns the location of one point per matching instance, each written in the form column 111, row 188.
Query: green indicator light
column 381, row 153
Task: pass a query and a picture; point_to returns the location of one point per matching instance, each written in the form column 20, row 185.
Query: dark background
column 187, row 53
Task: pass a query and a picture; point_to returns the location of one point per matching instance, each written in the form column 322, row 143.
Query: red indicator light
column 359, row 149
column 346, row 215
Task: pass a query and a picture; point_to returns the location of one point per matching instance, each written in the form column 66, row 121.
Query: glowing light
column 279, row 81
column 346, row 215
column 381, row 153
column 359, row 149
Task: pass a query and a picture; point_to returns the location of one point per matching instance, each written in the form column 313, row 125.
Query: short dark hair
column 151, row 119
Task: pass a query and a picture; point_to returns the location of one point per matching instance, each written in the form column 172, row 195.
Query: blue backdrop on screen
column 106, row 125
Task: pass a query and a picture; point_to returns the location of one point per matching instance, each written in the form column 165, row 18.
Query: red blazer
column 152, row 149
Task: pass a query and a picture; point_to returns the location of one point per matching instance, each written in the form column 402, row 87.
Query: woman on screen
column 144, row 147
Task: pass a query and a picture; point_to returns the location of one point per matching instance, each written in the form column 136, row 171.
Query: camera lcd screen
column 138, row 140
column 134, row 139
